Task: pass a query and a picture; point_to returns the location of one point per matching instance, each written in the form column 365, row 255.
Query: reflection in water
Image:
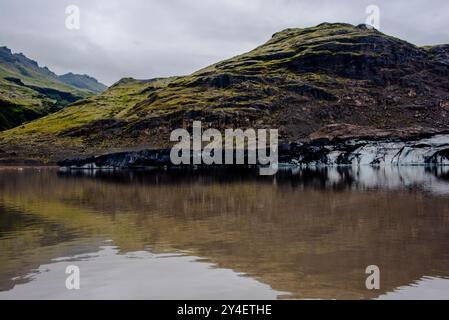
column 424, row 289
column 302, row 234
column 138, row 275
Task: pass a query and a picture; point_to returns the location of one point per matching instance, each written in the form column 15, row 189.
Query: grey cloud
column 151, row 38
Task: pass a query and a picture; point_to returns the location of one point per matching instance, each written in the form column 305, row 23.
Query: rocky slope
column 28, row 91
column 330, row 81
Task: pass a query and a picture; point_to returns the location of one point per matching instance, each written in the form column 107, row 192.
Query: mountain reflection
column 310, row 233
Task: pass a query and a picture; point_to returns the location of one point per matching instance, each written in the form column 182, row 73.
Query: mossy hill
column 28, row 91
column 328, row 80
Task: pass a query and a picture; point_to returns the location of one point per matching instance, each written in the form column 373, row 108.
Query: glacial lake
column 303, row 234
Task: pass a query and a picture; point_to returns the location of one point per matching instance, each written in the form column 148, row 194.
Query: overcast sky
column 153, row 38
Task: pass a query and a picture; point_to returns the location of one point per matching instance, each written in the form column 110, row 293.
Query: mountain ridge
column 301, row 81
column 83, row 81
column 29, row 91
column 29, row 71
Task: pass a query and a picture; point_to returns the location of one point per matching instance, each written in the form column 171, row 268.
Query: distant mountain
column 83, row 82
column 28, row 91
column 332, row 81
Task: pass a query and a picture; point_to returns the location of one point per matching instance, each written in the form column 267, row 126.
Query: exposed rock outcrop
column 354, row 152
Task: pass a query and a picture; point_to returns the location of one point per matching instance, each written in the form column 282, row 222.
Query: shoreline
column 433, row 150
column 430, row 150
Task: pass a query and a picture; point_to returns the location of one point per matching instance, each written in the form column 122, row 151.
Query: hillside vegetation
column 329, row 80
column 28, row 91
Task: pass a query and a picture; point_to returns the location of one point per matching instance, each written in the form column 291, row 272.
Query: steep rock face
column 300, row 81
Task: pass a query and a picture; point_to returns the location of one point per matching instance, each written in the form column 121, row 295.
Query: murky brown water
column 179, row 235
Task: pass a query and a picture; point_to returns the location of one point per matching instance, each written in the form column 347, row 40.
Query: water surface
column 304, row 234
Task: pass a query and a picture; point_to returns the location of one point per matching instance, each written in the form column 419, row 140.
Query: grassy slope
column 299, row 81
column 113, row 103
column 32, row 77
column 20, row 104
column 182, row 93
column 39, row 93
